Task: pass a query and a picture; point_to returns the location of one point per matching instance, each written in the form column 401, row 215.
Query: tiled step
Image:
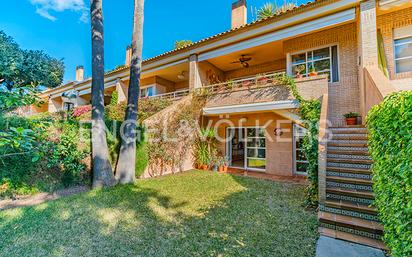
column 347, row 148
column 350, row 186
column 350, row 209
column 350, row 170
column 353, row 136
column 357, row 226
column 354, row 196
column 348, row 143
column 352, row 238
column 354, row 161
column 349, row 156
column 349, row 175
column 359, row 152
column 349, row 165
column 349, row 180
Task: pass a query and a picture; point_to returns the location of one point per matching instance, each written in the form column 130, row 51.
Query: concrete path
column 330, row 247
column 41, row 198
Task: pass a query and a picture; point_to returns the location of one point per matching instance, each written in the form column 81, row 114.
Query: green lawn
column 191, row 214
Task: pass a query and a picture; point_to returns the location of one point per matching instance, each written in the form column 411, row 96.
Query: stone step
column 352, row 238
column 342, row 221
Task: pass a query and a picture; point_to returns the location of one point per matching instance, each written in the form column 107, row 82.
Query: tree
column 271, row 9
column 182, row 43
column 102, row 169
column 125, row 172
column 20, row 68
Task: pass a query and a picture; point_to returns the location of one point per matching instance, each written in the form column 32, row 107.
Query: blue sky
column 62, row 28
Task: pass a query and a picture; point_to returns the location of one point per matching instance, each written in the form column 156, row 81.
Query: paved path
column 41, row 198
column 330, row 247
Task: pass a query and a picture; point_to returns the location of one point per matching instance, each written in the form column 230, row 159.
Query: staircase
column 348, row 213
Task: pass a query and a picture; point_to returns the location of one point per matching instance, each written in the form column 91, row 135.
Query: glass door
column 256, row 149
column 301, row 162
column 236, row 147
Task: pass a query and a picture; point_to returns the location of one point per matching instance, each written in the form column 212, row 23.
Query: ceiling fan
column 243, row 60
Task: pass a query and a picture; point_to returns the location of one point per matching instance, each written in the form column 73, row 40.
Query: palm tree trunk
column 102, row 169
column 125, row 172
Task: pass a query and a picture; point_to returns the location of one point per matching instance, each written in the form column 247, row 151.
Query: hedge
column 390, row 145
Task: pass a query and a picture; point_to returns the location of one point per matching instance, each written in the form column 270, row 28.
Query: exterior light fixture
column 278, row 132
column 181, row 75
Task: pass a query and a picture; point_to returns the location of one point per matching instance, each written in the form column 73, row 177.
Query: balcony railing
column 261, row 80
column 172, row 96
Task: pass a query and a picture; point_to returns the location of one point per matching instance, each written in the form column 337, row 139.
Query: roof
column 227, row 33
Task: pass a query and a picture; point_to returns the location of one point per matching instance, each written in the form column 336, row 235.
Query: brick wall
column 256, row 69
column 343, row 95
column 386, row 23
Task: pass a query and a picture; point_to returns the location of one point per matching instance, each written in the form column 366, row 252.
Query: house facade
column 349, row 54
column 352, row 52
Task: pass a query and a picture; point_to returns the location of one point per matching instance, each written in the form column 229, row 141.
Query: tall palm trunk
column 125, row 172
column 102, row 169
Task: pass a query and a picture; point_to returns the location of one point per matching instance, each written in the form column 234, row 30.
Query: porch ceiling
column 259, row 54
column 170, row 73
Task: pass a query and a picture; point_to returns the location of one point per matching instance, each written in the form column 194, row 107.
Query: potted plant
column 262, row 79
column 298, row 70
column 225, row 164
column 313, row 72
column 351, row 118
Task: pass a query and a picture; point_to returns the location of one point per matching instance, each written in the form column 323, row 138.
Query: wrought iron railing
column 261, row 80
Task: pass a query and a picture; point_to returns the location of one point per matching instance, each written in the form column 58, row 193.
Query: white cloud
column 44, row 7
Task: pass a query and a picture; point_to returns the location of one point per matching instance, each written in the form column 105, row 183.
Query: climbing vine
column 310, row 113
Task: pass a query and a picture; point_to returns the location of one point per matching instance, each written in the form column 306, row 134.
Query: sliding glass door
column 246, row 148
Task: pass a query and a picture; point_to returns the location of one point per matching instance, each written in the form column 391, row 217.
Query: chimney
column 239, row 14
column 128, row 56
column 79, row 73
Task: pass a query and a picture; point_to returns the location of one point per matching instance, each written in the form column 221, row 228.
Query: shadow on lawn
column 258, row 218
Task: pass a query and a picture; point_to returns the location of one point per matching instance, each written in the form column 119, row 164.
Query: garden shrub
column 390, row 145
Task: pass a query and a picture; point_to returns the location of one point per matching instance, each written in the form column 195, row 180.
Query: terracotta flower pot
column 204, row 167
column 313, row 74
column 299, row 76
column 351, row 121
column 225, row 168
column 221, row 168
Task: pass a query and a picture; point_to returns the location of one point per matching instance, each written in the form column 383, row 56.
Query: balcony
column 255, row 89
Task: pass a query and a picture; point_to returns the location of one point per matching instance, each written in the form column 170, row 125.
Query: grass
column 190, row 214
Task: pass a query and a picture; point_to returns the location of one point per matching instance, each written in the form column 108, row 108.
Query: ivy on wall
column 390, row 145
column 310, row 113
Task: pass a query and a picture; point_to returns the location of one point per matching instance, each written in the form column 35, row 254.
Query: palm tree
column 266, row 11
column 102, row 169
column 125, row 172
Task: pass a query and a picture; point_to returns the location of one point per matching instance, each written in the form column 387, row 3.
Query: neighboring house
column 351, row 44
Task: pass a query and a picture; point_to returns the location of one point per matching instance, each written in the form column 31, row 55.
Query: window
column 301, row 163
column 403, row 54
column 323, row 61
column 147, row 92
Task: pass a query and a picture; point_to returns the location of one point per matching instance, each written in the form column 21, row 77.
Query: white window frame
column 245, row 163
column 290, row 63
column 147, row 90
column 295, row 149
column 402, row 58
